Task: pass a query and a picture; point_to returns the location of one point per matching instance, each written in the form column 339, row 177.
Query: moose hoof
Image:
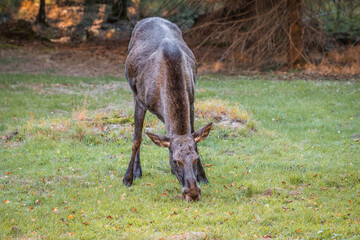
column 127, row 182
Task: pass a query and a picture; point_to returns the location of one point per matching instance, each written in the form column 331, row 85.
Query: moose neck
column 177, row 107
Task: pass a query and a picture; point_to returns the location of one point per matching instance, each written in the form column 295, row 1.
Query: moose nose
column 191, row 194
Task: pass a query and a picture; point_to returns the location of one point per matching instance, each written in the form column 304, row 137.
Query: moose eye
column 178, row 162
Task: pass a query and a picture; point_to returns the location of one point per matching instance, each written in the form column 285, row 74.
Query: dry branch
column 260, row 34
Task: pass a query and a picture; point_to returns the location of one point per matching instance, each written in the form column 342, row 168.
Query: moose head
column 184, row 158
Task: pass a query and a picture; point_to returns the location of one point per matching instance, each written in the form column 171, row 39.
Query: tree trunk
column 40, row 18
column 119, row 9
column 295, row 25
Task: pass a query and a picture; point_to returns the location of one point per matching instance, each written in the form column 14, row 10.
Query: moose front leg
column 200, row 173
column 134, row 169
column 200, row 176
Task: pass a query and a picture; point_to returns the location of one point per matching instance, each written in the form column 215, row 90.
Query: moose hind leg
column 134, row 168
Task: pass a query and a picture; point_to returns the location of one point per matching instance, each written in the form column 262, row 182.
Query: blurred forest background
column 319, row 37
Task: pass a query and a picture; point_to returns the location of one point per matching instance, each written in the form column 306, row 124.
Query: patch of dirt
column 91, row 58
column 82, row 89
column 84, row 59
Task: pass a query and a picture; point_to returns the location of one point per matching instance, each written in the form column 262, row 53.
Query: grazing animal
column 161, row 71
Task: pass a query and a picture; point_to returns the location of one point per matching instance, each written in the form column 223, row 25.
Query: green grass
column 291, row 171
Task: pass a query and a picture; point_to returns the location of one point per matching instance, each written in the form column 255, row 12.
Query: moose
column 161, row 71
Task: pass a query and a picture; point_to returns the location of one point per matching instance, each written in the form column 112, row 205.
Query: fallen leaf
column 208, row 165
column 109, row 217
column 134, row 210
column 298, row 230
column 55, row 210
column 71, row 216
column 85, row 223
column 7, row 201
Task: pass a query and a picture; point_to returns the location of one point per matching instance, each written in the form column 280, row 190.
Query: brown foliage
column 274, row 34
column 255, row 33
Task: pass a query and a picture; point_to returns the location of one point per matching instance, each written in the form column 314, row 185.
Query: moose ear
column 202, row 133
column 160, row 140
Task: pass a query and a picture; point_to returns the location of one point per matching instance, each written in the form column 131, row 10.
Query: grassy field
column 282, row 161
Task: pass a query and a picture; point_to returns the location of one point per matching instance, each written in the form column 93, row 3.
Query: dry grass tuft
column 220, row 111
